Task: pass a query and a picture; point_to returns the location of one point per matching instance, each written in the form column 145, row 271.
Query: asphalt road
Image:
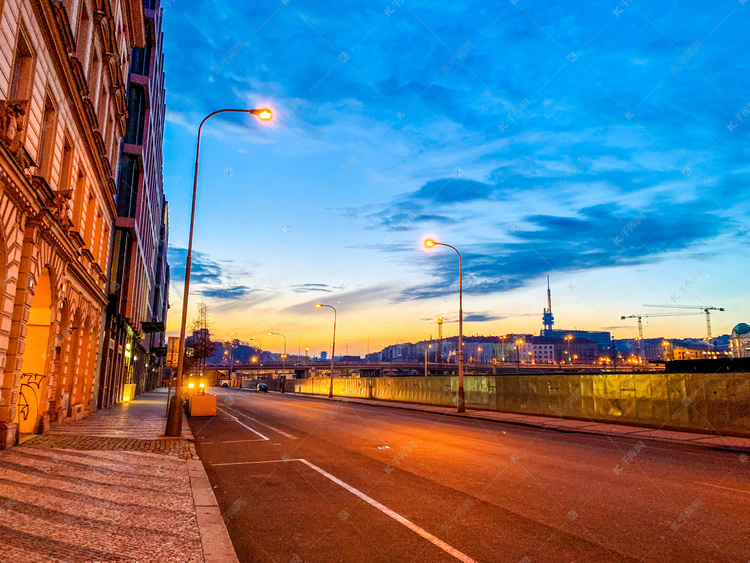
column 302, row 480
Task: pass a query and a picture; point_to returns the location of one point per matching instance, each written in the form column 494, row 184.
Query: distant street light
column 333, row 346
column 174, row 418
column 519, row 342
column 569, row 337
column 283, row 356
column 460, row 407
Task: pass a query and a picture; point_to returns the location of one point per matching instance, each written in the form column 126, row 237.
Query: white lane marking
column 256, row 421
column 372, row 502
column 232, row 442
column 254, row 462
column 238, row 421
column 722, row 487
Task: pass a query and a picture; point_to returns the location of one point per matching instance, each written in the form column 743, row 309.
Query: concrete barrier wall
column 680, row 401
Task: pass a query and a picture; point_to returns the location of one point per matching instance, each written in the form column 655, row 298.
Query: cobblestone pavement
column 92, row 492
column 165, row 446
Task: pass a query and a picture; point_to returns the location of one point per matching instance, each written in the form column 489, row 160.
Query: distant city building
column 173, row 352
column 739, row 341
column 602, row 339
column 681, row 353
column 324, row 356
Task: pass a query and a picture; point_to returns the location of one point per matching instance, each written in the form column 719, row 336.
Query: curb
column 633, row 432
column 215, row 541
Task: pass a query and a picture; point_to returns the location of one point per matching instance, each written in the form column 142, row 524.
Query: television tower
column 548, row 318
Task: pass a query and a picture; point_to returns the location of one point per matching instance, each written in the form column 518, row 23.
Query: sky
column 604, row 145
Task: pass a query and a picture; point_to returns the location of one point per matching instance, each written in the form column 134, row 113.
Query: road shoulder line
column 215, row 541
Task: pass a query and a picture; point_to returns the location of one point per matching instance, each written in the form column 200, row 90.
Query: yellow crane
column 701, row 308
column 649, row 315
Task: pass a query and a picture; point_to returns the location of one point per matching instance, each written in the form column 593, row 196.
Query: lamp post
column 569, row 337
column 333, row 346
column 520, row 342
column 367, row 357
column 283, row 356
column 429, row 346
column 174, row 418
column 460, row 407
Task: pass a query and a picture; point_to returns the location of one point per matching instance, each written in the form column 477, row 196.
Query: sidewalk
column 713, row 441
column 110, row 487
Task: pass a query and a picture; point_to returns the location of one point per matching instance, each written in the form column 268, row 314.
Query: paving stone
column 106, row 488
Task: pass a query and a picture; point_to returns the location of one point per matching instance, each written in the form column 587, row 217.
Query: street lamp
column 174, row 418
column 429, row 347
column 333, row 346
column 283, row 356
column 460, row 407
column 519, row 342
column 569, row 337
column 367, row 357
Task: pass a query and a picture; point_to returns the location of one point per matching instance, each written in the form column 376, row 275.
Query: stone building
column 63, row 67
column 739, row 341
column 134, row 347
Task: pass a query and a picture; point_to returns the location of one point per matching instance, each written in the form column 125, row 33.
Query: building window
column 80, row 193
column 83, row 36
column 67, row 164
column 23, row 69
column 136, row 115
column 47, row 141
column 127, row 188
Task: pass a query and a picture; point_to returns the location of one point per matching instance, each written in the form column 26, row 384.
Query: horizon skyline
column 538, row 139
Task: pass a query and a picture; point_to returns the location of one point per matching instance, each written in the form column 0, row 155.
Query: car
column 261, row 388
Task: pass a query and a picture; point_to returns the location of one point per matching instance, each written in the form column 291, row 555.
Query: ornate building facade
column 63, row 110
column 134, row 349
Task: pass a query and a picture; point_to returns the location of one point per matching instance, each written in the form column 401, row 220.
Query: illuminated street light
column 333, row 346
column 519, row 342
column 174, row 418
column 283, row 356
column 264, row 114
column 460, row 407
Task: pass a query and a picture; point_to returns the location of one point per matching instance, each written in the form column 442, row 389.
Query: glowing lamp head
column 318, row 305
column 201, row 385
column 270, row 334
column 429, row 243
column 191, row 385
column 264, row 114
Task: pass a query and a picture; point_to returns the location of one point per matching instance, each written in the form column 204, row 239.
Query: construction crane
column 702, row 308
column 649, row 315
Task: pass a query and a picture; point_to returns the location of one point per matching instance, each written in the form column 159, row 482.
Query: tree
column 199, row 347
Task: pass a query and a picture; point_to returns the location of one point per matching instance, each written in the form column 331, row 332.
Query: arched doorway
column 35, row 359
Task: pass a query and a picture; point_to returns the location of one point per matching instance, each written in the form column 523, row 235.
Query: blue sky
column 604, row 145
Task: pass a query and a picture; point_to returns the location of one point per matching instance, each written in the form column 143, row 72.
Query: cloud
column 346, row 300
column 227, row 293
column 481, row 317
column 596, row 237
column 203, row 270
column 310, row 288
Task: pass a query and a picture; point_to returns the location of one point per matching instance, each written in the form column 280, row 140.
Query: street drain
column 384, row 447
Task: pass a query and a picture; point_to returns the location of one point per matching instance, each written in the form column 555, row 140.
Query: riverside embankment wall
column 680, row 401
